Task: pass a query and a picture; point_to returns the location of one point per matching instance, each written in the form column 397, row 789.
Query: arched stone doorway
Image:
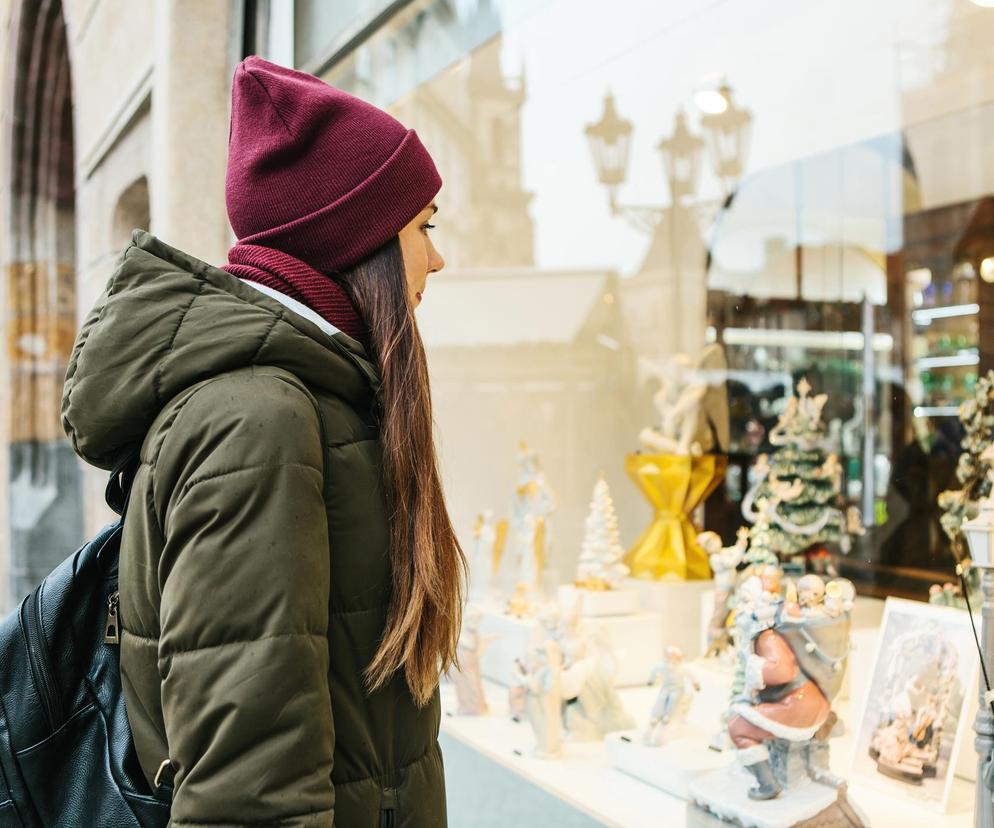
column 131, row 211
column 43, row 476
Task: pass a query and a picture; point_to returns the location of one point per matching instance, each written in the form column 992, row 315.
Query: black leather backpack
column 67, row 759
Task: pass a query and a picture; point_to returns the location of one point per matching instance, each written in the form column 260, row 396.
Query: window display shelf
column 924, row 316
column 958, row 360
column 585, row 779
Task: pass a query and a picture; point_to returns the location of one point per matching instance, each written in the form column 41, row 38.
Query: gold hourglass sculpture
column 674, row 485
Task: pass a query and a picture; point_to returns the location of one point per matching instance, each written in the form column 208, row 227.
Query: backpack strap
column 121, row 478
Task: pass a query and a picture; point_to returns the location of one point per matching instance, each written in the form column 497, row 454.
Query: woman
column 290, row 582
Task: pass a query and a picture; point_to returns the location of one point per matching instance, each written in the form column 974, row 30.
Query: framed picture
column 919, row 704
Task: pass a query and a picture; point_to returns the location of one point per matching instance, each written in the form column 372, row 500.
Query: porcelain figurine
column 467, row 680
column 676, row 689
column 793, row 660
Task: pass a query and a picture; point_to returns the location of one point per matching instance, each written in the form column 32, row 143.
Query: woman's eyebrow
column 434, row 208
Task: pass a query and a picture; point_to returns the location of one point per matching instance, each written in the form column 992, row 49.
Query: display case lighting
column 987, row 269
column 780, row 338
column 936, row 411
column 953, row 361
column 924, row 316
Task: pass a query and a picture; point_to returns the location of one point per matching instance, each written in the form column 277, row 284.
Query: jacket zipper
column 112, row 633
column 34, row 636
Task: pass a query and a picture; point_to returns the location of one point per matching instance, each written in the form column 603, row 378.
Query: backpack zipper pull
column 111, row 632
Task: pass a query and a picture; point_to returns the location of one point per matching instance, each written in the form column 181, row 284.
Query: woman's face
column 420, row 255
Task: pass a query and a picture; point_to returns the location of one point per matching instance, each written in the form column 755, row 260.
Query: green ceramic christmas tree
column 799, row 485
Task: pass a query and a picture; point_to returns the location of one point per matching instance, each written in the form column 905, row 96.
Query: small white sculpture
column 600, row 565
column 678, row 402
column 596, row 708
column 564, row 628
column 676, row 687
column 467, row 680
column 549, row 685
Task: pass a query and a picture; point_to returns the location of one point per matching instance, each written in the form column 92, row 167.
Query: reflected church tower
column 501, row 233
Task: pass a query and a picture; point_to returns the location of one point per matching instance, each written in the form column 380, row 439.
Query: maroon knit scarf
column 297, row 279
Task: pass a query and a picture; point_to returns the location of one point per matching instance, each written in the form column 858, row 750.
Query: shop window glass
column 630, row 182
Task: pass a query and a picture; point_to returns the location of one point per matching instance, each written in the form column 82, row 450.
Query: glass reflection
column 832, row 224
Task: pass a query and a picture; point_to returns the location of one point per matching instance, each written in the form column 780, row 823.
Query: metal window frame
column 353, row 37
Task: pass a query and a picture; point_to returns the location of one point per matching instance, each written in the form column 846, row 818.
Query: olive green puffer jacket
column 254, row 572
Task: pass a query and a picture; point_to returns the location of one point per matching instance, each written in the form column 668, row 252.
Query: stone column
column 190, row 104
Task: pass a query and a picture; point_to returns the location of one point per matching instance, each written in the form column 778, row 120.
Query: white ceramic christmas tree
column 601, row 555
column 600, row 574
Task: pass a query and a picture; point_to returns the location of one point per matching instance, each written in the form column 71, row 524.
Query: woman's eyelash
column 428, row 226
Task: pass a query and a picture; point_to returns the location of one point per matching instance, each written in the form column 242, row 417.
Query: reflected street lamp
column 609, row 141
column 727, row 130
column 681, row 158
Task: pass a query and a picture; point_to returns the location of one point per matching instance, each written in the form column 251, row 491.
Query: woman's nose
column 436, row 262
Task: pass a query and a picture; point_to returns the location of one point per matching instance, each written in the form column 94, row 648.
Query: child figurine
column 675, row 688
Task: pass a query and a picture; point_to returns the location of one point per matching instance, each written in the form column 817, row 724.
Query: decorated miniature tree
column 973, row 469
column 761, row 536
column 800, row 482
column 976, row 414
column 600, row 565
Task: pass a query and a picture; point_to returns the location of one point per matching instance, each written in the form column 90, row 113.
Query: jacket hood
column 166, row 321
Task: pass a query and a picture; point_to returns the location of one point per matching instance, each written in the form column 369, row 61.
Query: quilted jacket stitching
column 193, row 482
column 160, row 369
column 323, row 635
column 176, row 823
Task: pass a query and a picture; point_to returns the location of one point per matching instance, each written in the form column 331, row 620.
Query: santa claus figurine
column 792, row 659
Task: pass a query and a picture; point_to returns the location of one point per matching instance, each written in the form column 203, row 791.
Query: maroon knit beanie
column 318, row 173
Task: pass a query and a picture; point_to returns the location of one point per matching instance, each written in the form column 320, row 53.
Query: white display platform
column 673, row 766
column 724, row 792
column 680, row 603
column 637, row 640
column 597, row 603
column 585, row 780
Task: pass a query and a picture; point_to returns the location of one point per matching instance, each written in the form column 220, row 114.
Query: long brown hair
column 429, row 568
